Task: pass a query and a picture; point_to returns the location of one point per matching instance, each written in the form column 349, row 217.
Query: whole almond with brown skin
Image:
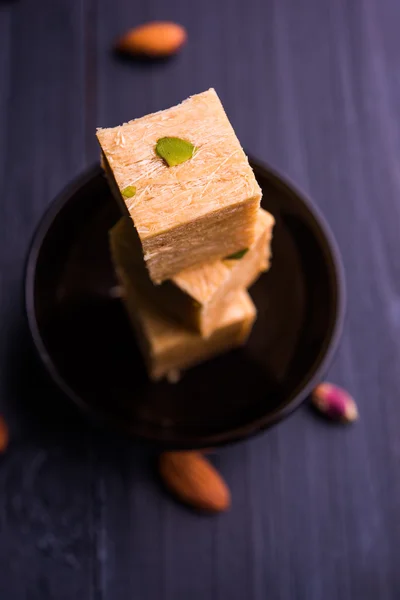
column 154, row 39
column 193, row 480
column 4, row 437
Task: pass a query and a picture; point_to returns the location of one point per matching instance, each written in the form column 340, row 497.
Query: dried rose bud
column 334, row 402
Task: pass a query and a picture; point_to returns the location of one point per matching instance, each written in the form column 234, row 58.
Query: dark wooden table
column 313, row 88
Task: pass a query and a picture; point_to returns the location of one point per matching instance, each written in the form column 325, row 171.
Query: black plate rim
column 224, row 437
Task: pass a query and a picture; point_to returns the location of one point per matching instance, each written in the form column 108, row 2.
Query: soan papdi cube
column 168, row 347
column 184, row 179
column 195, row 297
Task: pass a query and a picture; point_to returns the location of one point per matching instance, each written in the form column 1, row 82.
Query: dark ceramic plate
column 85, row 341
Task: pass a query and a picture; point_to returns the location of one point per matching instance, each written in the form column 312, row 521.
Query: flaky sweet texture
column 206, row 282
column 168, row 347
column 197, row 296
column 201, row 210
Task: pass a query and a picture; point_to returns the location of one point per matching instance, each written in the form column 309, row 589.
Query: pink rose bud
column 334, row 402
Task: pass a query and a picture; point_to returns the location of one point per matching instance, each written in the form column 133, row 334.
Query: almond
column 193, row 480
column 154, row 39
column 4, row 437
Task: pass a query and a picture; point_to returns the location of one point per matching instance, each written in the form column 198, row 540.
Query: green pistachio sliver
column 129, row 191
column 237, row 255
column 174, row 150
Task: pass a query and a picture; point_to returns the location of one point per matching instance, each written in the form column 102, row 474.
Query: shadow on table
column 141, row 61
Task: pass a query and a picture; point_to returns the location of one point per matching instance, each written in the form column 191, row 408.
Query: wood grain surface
column 313, row 88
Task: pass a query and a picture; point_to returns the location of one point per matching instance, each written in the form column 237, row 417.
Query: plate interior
column 85, row 339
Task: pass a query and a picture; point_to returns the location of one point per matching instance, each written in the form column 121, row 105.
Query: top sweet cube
column 184, row 179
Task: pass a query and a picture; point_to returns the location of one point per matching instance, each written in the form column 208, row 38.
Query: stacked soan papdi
column 192, row 236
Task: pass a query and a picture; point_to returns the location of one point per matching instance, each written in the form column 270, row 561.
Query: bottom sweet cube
column 168, row 347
